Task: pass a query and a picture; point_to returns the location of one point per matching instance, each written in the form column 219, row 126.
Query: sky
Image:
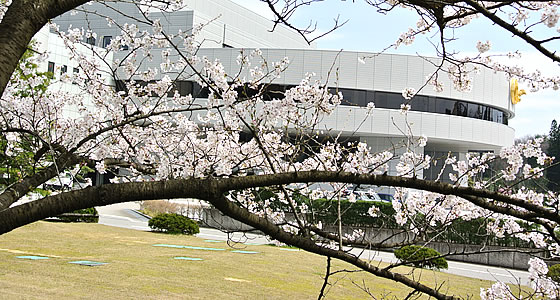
column 367, row 30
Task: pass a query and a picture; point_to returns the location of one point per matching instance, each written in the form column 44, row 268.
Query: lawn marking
column 189, row 247
column 32, row 257
column 87, row 263
column 26, row 252
column 244, row 252
column 188, row 258
column 235, row 279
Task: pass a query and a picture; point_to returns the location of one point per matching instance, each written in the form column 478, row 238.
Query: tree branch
column 523, row 35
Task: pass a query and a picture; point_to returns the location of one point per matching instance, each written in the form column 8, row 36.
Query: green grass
column 138, row 270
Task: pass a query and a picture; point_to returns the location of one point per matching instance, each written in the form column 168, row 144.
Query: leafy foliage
column 422, row 257
column 553, row 172
column 174, row 224
column 356, row 213
column 554, row 272
column 17, row 156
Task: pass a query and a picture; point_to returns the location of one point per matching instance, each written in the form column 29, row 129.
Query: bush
column 554, row 273
column 173, row 223
column 421, row 257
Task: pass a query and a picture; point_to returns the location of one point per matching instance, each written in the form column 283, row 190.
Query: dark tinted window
column 353, row 97
column 51, row 67
column 460, row 109
column 475, row 111
column 388, row 100
column 420, row 103
column 200, row 92
column 274, row 91
column 444, row 106
column 362, row 98
column 183, row 87
column 106, row 41
column 90, row 40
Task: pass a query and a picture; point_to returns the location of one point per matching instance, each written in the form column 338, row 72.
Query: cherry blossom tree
column 249, row 154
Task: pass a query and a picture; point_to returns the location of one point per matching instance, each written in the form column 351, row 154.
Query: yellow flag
column 514, row 92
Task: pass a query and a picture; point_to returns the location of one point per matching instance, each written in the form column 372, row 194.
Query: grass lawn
column 138, row 270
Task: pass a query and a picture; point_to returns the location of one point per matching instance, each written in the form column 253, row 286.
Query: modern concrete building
column 457, row 122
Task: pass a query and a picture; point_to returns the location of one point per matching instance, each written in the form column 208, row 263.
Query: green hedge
column 421, row 257
column 87, row 215
column 353, row 214
column 174, row 224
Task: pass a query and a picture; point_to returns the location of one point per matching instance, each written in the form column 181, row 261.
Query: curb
column 139, row 213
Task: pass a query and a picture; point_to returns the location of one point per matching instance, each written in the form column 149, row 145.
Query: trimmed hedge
column 86, row 215
column 421, row 257
column 174, row 224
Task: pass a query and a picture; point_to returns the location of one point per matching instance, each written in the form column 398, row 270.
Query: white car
column 367, row 196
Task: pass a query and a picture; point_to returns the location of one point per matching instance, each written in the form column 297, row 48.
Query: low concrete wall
column 514, row 258
column 508, row 257
column 213, row 218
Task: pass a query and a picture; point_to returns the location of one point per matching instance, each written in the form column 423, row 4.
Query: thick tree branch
column 22, row 20
column 222, row 185
column 386, row 180
column 29, row 183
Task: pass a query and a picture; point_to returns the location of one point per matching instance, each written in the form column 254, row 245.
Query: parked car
column 367, row 196
column 386, row 197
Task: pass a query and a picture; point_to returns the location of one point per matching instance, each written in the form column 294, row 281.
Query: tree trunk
column 23, row 19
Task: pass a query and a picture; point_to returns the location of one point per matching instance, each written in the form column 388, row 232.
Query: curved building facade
column 453, row 121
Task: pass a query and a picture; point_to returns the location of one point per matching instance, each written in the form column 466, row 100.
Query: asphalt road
column 124, row 215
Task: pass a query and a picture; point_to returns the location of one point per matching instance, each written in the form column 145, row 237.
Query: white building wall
column 243, row 28
column 58, row 53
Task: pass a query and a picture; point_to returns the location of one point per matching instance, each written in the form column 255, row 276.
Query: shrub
column 422, row 257
column 554, row 273
column 173, row 223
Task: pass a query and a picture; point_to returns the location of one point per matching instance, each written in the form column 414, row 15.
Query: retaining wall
column 514, row 258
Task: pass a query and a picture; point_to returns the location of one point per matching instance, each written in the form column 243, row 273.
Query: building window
column 51, row 67
column 75, row 71
column 63, row 69
column 106, row 41
column 90, row 40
